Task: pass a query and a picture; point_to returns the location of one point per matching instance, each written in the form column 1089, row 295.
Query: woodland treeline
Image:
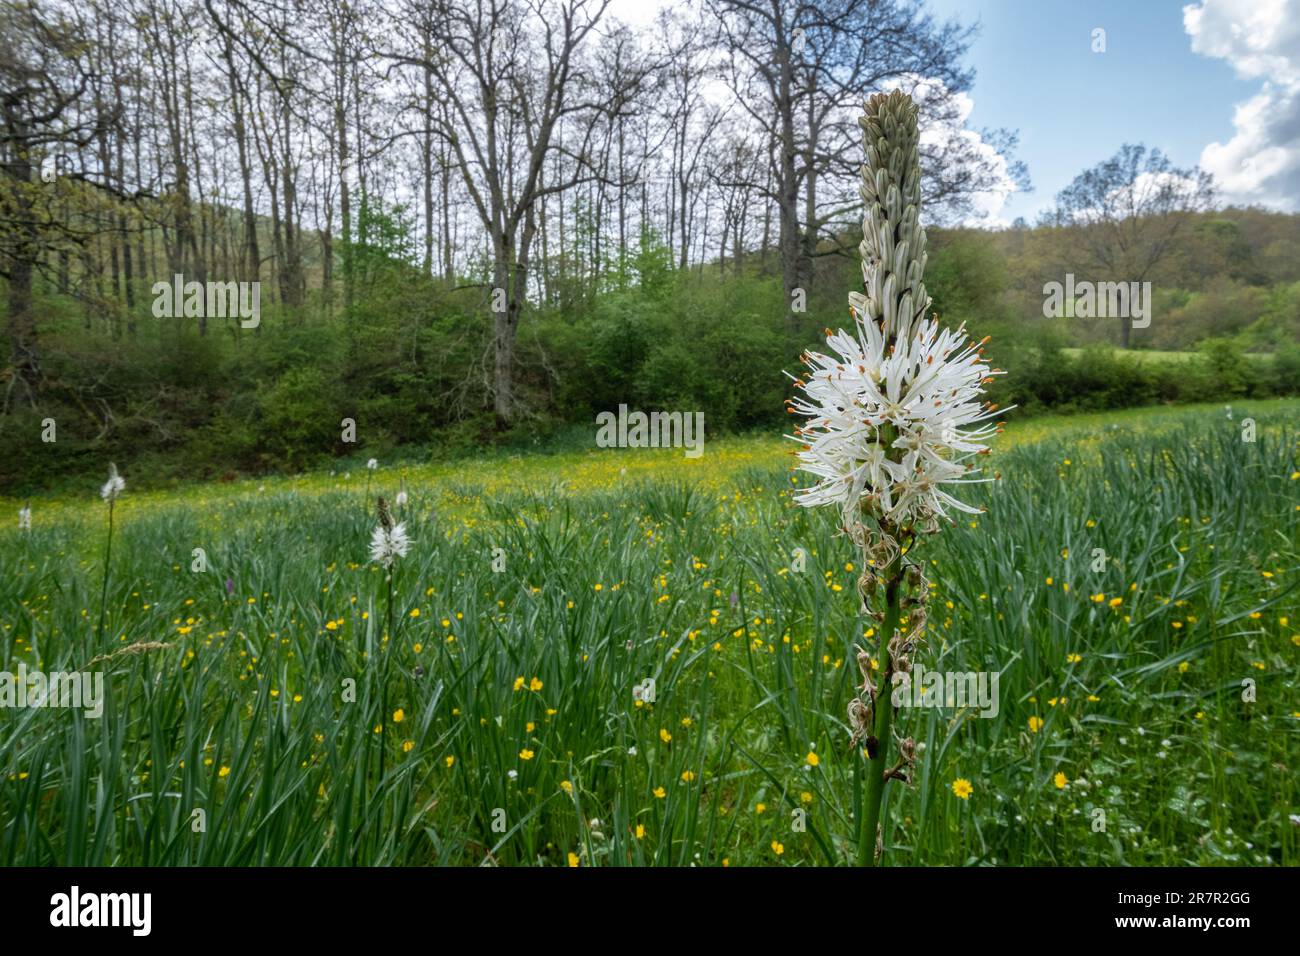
column 529, row 145
column 485, row 221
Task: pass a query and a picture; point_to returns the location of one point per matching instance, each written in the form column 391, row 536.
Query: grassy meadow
column 1132, row 571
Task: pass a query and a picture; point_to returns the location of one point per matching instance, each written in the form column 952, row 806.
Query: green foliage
column 966, row 276
column 1226, row 366
column 654, row 266
column 411, row 361
column 704, row 345
column 300, row 411
column 1285, row 371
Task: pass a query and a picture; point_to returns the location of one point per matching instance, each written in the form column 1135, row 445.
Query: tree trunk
column 24, row 355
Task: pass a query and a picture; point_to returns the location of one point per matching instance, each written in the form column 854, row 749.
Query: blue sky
column 1036, row 73
column 1214, row 83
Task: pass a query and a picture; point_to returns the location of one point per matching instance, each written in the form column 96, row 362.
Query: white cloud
column 1260, row 39
column 947, row 135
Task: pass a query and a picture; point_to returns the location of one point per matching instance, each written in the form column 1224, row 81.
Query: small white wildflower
column 25, row 518
column 388, row 545
column 372, row 464
column 115, row 485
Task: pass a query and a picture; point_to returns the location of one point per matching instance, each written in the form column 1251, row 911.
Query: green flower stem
column 884, row 713
column 103, row 591
column 383, row 677
column 389, row 615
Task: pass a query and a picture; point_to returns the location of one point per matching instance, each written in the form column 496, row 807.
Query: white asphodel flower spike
column 25, row 518
column 389, row 541
column 895, row 413
column 115, row 485
column 387, row 545
column 895, row 416
column 372, row 464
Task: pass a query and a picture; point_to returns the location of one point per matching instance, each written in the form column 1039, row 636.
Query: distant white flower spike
column 25, row 518
column 372, row 464
column 388, row 545
column 115, row 485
